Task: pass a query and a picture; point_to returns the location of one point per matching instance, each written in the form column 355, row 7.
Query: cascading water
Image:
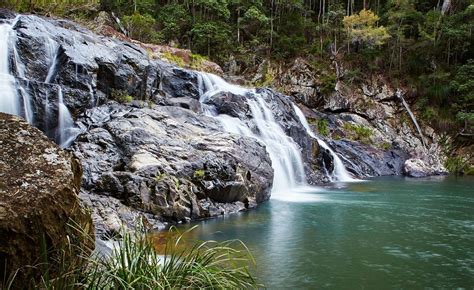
column 15, row 99
column 340, row 173
column 66, row 132
column 284, row 153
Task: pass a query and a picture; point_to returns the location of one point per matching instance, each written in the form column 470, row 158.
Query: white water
column 66, row 131
column 340, row 173
column 15, row 99
column 9, row 102
column 286, row 159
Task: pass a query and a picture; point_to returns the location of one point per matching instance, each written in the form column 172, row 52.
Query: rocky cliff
column 149, row 151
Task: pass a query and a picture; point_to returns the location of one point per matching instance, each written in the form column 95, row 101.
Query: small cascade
column 52, row 50
column 284, row 153
column 66, row 131
column 15, row 99
column 340, row 173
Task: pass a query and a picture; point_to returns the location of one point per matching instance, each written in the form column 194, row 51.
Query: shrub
column 199, row 173
column 323, row 128
column 141, row 27
column 136, row 264
column 120, row 96
column 358, row 132
column 458, row 165
column 173, row 58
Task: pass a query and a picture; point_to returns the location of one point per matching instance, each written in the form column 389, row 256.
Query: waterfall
column 15, row 98
column 340, row 173
column 284, row 153
column 66, row 131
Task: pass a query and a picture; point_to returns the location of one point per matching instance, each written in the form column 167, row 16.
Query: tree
column 141, row 27
column 361, row 29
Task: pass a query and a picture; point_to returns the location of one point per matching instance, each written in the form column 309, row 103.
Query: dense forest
column 423, row 45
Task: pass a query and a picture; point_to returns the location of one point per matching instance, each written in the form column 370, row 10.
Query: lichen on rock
column 39, row 184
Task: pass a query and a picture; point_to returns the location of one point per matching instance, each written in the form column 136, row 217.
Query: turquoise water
column 383, row 233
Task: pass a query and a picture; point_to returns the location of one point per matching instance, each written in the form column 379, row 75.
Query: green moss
column 268, row 77
column 197, row 61
column 199, row 173
column 323, row 127
column 179, row 61
column 384, row 146
column 359, row 132
column 120, row 96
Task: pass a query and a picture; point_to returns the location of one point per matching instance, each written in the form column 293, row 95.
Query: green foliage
column 56, row 7
column 328, row 82
column 323, row 127
column 141, row 27
column 458, row 165
column 210, row 37
column 463, row 82
column 384, row 146
column 173, row 58
column 200, row 173
column 174, row 20
column 135, row 263
column 120, row 96
column 361, row 28
column 358, row 132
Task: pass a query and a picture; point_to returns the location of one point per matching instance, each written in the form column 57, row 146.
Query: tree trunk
column 446, row 6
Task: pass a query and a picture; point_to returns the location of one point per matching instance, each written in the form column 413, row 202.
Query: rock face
column 158, row 158
column 166, row 164
column 39, row 183
column 419, row 168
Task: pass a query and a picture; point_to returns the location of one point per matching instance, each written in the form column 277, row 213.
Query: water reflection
column 402, row 233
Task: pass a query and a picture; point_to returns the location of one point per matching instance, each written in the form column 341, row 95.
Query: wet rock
column 39, row 183
column 166, row 164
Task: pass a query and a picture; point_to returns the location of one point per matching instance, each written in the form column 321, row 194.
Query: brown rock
column 39, row 183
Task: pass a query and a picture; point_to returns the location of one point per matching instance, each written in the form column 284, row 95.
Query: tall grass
column 136, row 264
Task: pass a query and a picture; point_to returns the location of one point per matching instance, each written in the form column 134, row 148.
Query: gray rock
column 166, row 164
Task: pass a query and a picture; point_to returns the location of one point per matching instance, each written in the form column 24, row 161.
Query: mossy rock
column 39, row 184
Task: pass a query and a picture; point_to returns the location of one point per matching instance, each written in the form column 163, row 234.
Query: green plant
column 135, row 263
column 120, row 96
column 196, row 61
column 328, row 82
column 199, row 173
column 173, row 58
column 384, row 146
column 141, row 27
column 358, row 132
column 458, row 165
column 323, row 128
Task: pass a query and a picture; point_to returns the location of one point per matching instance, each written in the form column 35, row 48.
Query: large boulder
column 39, row 183
column 166, row 164
column 416, row 167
